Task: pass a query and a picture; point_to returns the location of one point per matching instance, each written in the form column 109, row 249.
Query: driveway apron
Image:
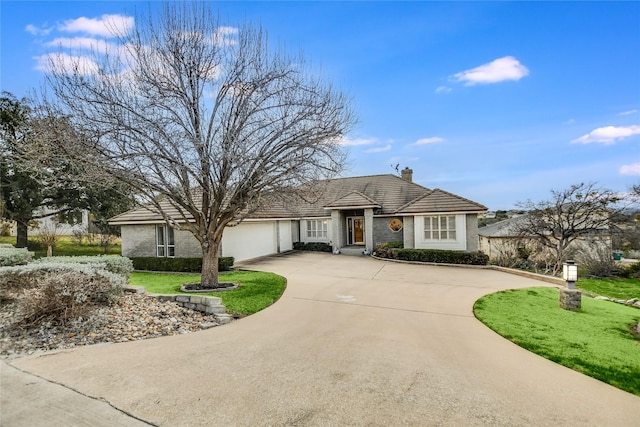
column 353, row 341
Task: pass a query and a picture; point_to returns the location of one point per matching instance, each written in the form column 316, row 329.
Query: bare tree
column 205, row 121
column 581, row 210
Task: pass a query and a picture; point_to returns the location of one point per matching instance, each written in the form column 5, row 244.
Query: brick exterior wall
column 187, row 246
column 138, row 240
column 382, row 233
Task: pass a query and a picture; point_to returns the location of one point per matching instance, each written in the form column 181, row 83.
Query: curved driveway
column 353, row 342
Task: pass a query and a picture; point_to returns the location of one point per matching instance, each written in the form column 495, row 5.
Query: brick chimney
column 407, row 174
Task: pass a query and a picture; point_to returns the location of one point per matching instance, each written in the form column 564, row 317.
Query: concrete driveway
column 354, row 341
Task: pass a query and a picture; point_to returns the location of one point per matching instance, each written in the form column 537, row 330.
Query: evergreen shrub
column 312, row 246
column 431, row 255
column 183, row 265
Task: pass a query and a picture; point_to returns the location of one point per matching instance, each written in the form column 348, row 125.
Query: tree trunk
column 49, row 251
column 21, row 234
column 210, row 264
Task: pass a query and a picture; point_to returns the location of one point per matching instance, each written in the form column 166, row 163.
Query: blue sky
column 498, row 102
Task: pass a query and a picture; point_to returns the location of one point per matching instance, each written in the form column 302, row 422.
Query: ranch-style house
column 354, row 213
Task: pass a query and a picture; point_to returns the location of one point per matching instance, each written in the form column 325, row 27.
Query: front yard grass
column 65, row 246
column 617, row 287
column 596, row 340
column 257, row 289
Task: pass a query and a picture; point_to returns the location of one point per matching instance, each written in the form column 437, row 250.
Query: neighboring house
column 503, row 240
column 359, row 212
column 53, row 224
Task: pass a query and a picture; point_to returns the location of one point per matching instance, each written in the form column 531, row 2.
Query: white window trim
column 317, row 229
column 459, row 244
column 439, row 230
column 166, row 245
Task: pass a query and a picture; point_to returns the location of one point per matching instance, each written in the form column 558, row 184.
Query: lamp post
column 570, row 273
column 570, row 297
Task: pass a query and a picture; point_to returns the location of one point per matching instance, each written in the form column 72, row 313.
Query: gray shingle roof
column 505, row 228
column 389, row 194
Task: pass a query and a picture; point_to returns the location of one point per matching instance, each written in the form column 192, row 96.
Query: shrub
column 388, row 250
column 312, row 246
column 64, row 296
column 184, row 265
column 632, row 271
column 443, row 256
column 28, row 276
column 14, row 256
column 112, row 263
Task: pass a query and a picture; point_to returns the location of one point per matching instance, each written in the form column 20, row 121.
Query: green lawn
column 613, row 287
column 257, row 290
column 64, row 247
column 595, row 340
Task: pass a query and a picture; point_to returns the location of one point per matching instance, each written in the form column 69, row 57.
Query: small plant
column 78, row 235
column 48, row 236
column 5, row 228
column 388, row 250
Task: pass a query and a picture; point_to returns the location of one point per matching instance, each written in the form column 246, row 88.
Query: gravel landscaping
column 133, row 317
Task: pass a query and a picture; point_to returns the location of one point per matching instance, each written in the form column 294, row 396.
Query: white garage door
column 249, row 240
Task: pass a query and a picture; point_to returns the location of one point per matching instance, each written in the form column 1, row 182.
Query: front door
column 355, row 230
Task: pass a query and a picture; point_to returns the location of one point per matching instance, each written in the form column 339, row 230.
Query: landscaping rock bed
column 133, row 317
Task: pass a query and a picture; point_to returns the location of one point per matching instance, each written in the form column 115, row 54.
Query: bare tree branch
column 581, row 210
column 206, row 120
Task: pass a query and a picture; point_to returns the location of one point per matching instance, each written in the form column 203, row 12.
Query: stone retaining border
column 634, row 302
column 536, row 276
column 203, row 304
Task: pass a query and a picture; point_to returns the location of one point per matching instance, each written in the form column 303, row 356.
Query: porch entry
column 355, row 230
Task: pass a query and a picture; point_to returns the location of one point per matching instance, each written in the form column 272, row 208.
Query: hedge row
column 312, row 246
column 183, row 265
column 433, row 255
column 443, row 256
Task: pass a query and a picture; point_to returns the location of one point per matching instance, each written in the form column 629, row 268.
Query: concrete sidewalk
column 353, row 341
column 28, row 401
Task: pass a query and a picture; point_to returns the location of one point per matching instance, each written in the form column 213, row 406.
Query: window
column 165, row 241
column 440, row 227
column 317, row 228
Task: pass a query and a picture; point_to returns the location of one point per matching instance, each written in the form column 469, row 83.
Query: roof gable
column 354, row 199
column 438, row 200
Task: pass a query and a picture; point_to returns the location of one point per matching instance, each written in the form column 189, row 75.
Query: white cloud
column 570, row 122
column 32, row 29
column 633, row 169
column 224, row 36
column 608, row 134
column 443, row 89
column 499, row 70
column 105, row 26
column 66, row 63
column 628, row 113
column 80, row 43
column 431, row 140
column 379, row 149
column 352, row 142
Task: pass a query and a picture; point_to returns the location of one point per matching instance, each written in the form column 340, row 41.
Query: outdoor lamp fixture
column 570, row 273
